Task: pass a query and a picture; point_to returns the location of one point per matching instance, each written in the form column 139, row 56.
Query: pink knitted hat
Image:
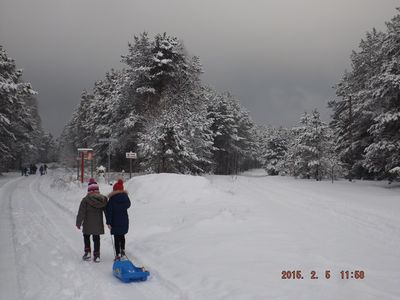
column 93, row 186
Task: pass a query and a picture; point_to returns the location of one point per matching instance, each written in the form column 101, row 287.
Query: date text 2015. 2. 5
column 326, row 274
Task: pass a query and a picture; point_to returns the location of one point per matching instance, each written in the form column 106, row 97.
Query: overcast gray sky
column 280, row 58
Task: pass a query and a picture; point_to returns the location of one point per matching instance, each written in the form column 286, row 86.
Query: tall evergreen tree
column 307, row 154
column 275, row 147
column 19, row 122
column 352, row 114
column 366, row 120
column 177, row 137
column 233, row 133
column 382, row 156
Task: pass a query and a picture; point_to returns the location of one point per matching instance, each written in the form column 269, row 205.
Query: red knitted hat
column 119, row 185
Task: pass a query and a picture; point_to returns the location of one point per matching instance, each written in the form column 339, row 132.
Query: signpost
column 130, row 155
column 85, row 154
column 109, row 141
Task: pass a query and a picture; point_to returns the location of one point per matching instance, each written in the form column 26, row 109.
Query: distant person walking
column 117, row 217
column 32, row 169
column 90, row 214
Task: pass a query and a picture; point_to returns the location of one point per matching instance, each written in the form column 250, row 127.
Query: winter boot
column 96, row 257
column 117, row 257
column 86, row 256
column 123, row 253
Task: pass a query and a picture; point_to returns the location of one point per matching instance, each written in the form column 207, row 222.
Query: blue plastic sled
column 126, row 271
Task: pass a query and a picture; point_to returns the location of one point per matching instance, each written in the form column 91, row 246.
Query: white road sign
column 131, row 155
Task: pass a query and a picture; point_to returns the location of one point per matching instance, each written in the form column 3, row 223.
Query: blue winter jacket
column 117, row 212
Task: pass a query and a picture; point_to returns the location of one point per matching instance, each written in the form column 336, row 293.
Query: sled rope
column 112, row 242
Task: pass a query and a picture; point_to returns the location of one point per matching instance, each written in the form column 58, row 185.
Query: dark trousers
column 119, row 243
column 96, row 242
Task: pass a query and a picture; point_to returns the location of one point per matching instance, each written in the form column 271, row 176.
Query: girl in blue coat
column 117, row 216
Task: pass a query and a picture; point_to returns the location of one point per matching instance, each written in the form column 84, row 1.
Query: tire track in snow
column 8, row 226
column 24, row 222
column 41, row 278
column 156, row 287
column 45, row 258
column 98, row 284
column 62, row 208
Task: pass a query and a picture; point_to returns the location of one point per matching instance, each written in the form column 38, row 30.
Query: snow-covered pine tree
column 292, row 160
column 352, row 114
column 16, row 123
column 139, row 60
column 83, row 127
column 275, row 147
column 28, row 133
column 168, row 62
column 234, row 140
column 368, row 138
column 153, row 66
column 331, row 159
column 109, row 116
column 77, row 132
column 173, row 145
column 164, row 147
column 382, row 156
column 247, row 143
column 177, row 137
column 102, row 114
column 307, row 153
column 48, row 151
column 261, row 133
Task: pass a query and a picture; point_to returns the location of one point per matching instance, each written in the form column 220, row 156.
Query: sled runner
column 126, row 271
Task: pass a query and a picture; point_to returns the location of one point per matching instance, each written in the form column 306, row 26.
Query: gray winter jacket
column 91, row 212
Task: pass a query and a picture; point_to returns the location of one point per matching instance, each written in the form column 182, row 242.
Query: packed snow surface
column 211, row 237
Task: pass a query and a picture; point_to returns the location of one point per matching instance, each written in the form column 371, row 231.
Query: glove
column 109, row 226
column 78, row 226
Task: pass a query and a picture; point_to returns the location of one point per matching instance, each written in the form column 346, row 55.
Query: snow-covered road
column 213, row 237
column 41, row 250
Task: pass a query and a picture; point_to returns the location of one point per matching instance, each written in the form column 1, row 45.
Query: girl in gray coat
column 90, row 214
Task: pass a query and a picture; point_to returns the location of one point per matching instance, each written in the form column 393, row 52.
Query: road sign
column 85, row 149
column 131, row 155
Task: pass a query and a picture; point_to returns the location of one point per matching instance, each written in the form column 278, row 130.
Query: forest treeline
column 158, row 107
